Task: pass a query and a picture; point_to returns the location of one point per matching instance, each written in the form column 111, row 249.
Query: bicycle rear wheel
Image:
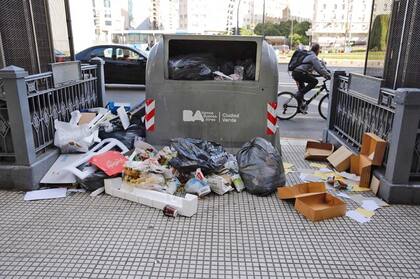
column 287, row 105
column 323, row 106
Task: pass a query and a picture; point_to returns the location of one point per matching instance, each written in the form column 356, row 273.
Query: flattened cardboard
column 340, row 159
column 362, row 166
column 318, row 151
column 374, row 148
column 375, row 184
column 320, row 206
column 298, row 190
column 86, row 117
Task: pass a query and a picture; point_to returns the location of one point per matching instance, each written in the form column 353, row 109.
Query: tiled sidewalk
column 233, row 236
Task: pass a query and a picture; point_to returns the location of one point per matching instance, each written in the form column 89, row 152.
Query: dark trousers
column 301, row 78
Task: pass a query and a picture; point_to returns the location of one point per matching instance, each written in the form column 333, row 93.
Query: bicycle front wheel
column 287, row 105
column 323, row 106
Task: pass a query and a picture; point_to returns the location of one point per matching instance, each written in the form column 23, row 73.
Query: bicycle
column 287, row 103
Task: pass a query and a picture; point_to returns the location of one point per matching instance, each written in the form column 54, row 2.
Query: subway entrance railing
column 29, row 104
column 394, row 115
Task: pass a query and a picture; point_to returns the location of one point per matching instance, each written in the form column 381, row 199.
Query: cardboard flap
column 299, row 190
column 374, row 148
column 317, row 150
column 340, row 159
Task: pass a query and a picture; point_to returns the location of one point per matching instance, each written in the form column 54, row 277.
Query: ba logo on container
column 190, row 116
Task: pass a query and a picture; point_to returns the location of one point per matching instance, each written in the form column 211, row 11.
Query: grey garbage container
column 230, row 112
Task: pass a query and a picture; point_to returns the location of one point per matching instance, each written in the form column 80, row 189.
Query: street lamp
column 263, row 19
column 237, row 18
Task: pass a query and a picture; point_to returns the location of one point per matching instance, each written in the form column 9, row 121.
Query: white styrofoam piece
column 186, row 206
column 125, row 121
column 103, row 146
column 46, row 194
column 57, row 174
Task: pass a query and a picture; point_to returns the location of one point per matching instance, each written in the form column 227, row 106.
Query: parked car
column 123, row 64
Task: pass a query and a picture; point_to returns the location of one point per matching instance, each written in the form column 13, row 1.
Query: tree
column 296, row 39
column 284, row 29
column 246, row 31
column 379, row 34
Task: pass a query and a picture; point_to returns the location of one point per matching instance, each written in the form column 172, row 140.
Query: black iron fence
column 394, row 115
column 30, row 104
column 355, row 114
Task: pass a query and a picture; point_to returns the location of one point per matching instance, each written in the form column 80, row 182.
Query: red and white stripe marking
column 150, row 115
column 271, row 118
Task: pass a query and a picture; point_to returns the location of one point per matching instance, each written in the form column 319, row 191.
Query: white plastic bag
column 73, row 138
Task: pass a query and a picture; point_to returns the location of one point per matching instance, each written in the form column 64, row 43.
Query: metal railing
column 356, row 114
column 30, row 104
column 47, row 103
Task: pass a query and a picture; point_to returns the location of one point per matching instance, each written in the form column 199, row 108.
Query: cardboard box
column 362, row 166
column 340, row 159
column 374, row 148
column 318, row 151
column 86, row 117
column 320, row 206
column 375, row 184
column 298, row 190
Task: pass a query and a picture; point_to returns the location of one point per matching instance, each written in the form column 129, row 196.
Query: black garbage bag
column 192, row 67
column 94, row 181
column 195, row 153
column 260, row 167
column 249, row 68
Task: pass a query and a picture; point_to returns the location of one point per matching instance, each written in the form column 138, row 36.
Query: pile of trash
column 205, row 66
column 103, row 149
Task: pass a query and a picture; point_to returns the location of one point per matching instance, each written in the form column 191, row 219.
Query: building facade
column 206, row 17
column 341, row 23
column 109, row 16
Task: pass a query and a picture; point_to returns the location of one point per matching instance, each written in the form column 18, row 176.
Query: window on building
column 107, row 14
column 108, row 22
column 107, row 3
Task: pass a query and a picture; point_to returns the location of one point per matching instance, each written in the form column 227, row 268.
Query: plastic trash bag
column 192, row 67
column 249, row 69
column 72, row 138
column 261, row 167
column 93, row 181
column 197, row 187
column 195, row 153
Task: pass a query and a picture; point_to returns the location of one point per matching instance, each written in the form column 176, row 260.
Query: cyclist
column 302, row 74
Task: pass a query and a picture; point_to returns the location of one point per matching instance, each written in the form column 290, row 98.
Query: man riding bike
column 302, row 73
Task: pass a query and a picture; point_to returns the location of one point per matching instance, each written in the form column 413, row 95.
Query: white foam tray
column 186, row 206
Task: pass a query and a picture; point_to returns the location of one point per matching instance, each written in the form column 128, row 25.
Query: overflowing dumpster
column 217, row 88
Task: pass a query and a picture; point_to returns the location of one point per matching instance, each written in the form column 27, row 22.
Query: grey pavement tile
column 233, row 236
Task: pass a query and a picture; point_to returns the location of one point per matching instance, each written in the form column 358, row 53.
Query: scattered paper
column 357, row 188
column 46, row 194
column 378, row 201
column 350, row 176
column 343, row 195
column 317, row 165
column 358, row 198
column 370, row 205
column 357, row 216
column 325, row 170
column 309, row 178
column 366, row 213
